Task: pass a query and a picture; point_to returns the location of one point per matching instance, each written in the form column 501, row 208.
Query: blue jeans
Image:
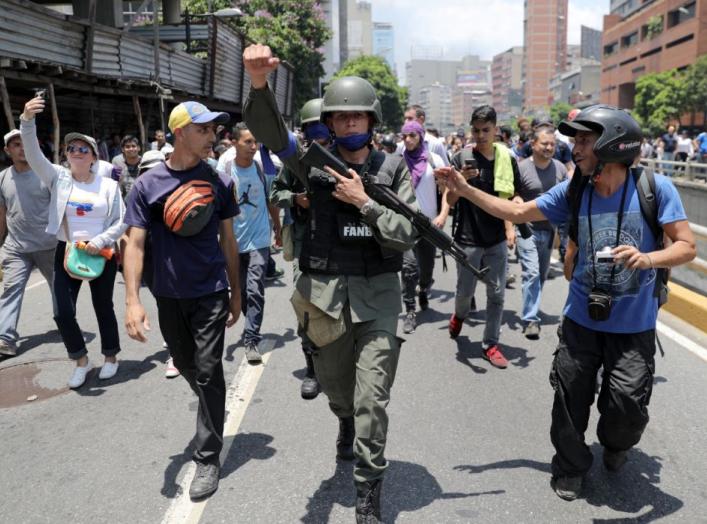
column 534, row 253
column 668, row 169
column 495, row 258
column 17, row 268
column 252, row 278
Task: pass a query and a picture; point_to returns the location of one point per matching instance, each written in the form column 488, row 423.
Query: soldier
column 348, row 295
column 288, row 193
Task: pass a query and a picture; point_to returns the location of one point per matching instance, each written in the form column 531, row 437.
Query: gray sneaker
column 532, row 331
column 205, row 481
column 7, row 349
column 410, row 323
column 252, row 354
column 567, row 488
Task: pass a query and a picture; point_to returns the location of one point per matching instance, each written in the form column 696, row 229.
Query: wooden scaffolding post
column 55, row 123
column 141, row 125
column 6, row 103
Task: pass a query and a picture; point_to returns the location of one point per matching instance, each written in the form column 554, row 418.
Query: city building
column 590, row 46
column 545, row 43
column 464, row 101
column 332, row 48
column 627, row 7
column 384, row 42
column 664, row 35
column 579, row 86
column 355, row 29
column 436, row 99
column 506, row 86
column 423, row 72
column 448, row 89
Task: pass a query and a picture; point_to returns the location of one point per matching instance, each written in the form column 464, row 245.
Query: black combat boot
column 345, row 440
column 310, row 385
column 368, row 502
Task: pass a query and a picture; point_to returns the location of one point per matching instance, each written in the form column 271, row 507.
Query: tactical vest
column 338, row 241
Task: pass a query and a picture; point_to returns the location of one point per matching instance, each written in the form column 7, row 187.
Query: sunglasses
column 78, row 149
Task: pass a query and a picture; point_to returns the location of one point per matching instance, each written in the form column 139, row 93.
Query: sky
column 479, row 27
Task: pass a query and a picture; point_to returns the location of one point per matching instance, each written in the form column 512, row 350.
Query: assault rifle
column 317, row 156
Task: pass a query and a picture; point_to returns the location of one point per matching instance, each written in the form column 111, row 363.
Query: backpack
column 645, row 184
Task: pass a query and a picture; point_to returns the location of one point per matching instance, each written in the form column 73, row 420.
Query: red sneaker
column 494, row 356
column 455, row 326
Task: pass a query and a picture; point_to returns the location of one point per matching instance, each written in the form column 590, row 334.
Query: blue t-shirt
column 182, row 267
column 634, row 308
column 252, row 227
column 702, row 142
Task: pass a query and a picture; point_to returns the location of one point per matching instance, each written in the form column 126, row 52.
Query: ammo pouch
column 321, row 328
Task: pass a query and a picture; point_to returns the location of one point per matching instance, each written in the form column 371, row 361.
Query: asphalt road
column 467, row 442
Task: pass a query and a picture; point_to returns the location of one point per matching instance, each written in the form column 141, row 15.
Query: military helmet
column 310, row 111
column 620, row 135
column 351, row 93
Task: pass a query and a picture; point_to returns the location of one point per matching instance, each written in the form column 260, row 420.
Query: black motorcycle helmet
column 620, row 135
column 389, row 140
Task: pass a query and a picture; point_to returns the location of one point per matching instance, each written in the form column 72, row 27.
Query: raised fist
column 259, row 61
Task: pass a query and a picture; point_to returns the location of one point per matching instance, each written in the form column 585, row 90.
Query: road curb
column 687, row 305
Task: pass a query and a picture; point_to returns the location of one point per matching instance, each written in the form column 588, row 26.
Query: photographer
column 610, row 313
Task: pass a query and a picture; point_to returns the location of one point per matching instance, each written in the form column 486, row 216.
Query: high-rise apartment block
column 506, row 76
column 384, row 42
column 545, row 43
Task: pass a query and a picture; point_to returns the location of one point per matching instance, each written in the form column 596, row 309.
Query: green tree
column 377, row 71
column 660, row 98
column 559, row 112
column 295, row 30
column 695, row 89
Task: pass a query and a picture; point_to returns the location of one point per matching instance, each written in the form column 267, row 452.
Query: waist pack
column 189, row 208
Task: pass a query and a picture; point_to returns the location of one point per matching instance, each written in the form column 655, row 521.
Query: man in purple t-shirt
column 189, row 277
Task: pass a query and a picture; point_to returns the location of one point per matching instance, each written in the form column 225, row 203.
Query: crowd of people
column 194, row 219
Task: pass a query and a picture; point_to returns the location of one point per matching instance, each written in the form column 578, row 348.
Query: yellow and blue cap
column 194, row 113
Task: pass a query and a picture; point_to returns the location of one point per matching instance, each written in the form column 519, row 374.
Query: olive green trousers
column 356, row 373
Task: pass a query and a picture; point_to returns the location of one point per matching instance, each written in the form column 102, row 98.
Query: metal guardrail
column 688, row 169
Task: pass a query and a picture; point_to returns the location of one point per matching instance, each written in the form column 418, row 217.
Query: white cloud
column 480, row 27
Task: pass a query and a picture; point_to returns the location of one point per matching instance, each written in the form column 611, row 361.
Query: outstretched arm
column 504, row 209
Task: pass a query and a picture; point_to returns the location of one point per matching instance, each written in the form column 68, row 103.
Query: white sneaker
column 170, row 371
column 108, row 370
column 78, row 377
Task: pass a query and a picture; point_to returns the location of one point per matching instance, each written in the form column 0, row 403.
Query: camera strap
column 618, row 232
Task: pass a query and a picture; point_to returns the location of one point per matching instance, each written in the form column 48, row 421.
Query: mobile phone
column 40, row 92
column 471, row 163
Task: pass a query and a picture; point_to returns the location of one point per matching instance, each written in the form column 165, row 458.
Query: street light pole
column 187, row 28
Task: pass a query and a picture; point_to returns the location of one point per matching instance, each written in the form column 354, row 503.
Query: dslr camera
column 599, row 304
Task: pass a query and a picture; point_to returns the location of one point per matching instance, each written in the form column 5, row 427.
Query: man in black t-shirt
column 485, row 239
column 190, row 277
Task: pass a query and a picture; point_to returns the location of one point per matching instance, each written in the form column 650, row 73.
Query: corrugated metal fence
column 34, row 33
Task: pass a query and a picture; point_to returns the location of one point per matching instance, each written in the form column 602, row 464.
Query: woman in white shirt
column 84, row 207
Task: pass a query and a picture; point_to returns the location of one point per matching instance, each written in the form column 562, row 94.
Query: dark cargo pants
column 628, row 361
column 356, row 373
